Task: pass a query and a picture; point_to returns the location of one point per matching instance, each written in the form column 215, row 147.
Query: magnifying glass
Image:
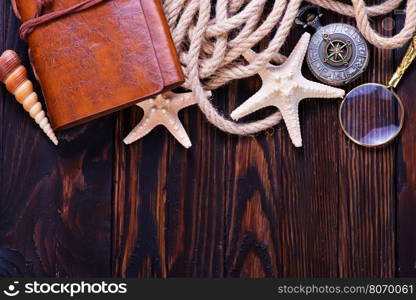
column 372, row 114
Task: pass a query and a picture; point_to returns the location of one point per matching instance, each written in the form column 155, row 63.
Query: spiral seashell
column 14, row 76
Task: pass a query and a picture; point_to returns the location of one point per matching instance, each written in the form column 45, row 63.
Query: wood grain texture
column 170, row 220
column 367, row 191
column 326, row 210
column 228, row 207
column 55, row 202
column 251, row 230
column 406, row 172
column 406, row 208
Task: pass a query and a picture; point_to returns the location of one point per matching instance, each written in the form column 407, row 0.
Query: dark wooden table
column 228, row 207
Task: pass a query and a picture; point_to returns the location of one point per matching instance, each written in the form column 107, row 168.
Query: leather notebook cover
column 100, row 60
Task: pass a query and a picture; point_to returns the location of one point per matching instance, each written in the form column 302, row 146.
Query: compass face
column 337, row 54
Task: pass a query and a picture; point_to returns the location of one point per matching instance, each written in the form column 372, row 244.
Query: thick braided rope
column 210, row 44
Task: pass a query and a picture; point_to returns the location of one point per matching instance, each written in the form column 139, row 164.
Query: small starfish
column 163, row 110
column 284, row 87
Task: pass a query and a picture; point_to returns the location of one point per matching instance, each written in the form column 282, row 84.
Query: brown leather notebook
column 102, row 59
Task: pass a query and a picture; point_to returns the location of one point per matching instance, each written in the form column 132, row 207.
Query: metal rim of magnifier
column 387, row 141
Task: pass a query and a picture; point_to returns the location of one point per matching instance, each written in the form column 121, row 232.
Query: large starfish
column 163, row 110
column 284, row 87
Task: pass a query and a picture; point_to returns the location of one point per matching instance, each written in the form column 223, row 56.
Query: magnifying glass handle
column 404, row 65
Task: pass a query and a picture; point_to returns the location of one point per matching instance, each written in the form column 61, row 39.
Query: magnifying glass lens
column 371, row 115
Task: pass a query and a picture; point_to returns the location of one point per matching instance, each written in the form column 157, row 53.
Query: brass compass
column 337, row 53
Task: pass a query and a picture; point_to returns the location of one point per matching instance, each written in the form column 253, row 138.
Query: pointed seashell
column 14, row 76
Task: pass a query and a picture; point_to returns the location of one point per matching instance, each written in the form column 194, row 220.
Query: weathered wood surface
column 406, row 176
column 228, row 207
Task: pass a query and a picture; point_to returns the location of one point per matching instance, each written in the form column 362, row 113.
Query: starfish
column 163, row 110
column 284, row 87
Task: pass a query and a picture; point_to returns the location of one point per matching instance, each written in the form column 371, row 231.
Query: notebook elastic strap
column 27, row 27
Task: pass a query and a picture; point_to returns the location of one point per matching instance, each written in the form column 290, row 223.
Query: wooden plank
column 406, row 172
column 139, row 218
column 310, row 189
column 282, row 217
column 407, row 183
column 253, row 175
column 195, row 200
column 234, row 207
column 169, row 202
column 56, row 202
column 287, row 212
column 301, row 197
column 367, row 182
